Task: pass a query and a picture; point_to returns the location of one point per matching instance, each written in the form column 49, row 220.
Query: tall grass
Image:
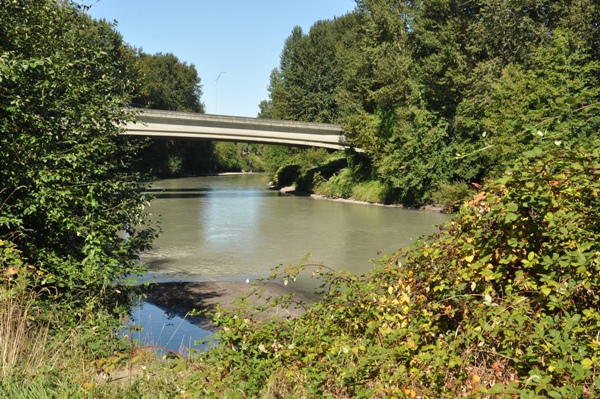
column 23, row 338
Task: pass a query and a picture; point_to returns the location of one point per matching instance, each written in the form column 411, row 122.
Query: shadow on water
column 211, row 193
column 176, row 299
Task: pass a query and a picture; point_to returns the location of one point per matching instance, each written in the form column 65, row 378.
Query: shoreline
column 290, row 190
column 180, row 298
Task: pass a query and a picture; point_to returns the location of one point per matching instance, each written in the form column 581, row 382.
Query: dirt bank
column 179, row 298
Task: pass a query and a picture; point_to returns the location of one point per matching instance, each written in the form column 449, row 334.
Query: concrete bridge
column 184, row 125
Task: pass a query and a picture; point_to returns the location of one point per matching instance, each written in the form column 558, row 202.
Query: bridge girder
column 184, row 125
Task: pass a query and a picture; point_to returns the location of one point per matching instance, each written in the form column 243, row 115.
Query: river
column 233, row 228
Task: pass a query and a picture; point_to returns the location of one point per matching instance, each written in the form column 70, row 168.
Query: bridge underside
column 183, row 125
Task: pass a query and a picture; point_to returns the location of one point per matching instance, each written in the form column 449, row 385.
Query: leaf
column 487, row 299
column 536, row 152
column 587, row 363
column 571, row 100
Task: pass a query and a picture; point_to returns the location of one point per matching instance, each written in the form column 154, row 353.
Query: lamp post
column 216, row 87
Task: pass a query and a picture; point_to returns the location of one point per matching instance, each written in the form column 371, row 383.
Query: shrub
column 286, row 175
column 324, row 170
column 373, row 191
column 67, row 189
column 338, row 186
column 451, row 195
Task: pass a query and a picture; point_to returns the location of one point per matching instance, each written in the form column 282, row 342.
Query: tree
column 69, row 198
column 305, row 86
column 169, row 84
column 438, row 92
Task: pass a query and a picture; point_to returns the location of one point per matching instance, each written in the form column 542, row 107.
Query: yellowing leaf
column 587, row 363
column 404, row 299
column 88, row 386
column 469, row 258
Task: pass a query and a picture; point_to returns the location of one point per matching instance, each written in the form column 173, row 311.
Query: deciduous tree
column 69, row 199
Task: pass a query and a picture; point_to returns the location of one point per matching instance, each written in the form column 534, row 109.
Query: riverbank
column 180, row 298
column 292, row 191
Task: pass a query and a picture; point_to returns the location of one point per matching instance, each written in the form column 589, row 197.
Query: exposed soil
column 180, row 298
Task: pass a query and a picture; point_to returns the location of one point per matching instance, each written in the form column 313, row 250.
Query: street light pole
column 216, row 87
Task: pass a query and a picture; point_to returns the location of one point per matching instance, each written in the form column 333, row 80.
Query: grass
column 23, row 339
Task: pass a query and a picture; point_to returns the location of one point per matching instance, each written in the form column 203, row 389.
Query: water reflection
column 162, row 329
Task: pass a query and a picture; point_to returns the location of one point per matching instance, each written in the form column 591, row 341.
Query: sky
column 234, row 44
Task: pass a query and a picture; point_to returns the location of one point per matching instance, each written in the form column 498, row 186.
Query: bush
column 373, row 192
column 337, row 186
column 451, row 196
column 324, row 170
column 286, row 175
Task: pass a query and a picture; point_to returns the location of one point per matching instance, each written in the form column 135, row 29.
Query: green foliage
column 306, row 91
column 286, row 175
column 445, row 91
column 229, row 157
column 417, row 157
column 164, row 82
column 556, row 92
column 280, row 159
column 502, row 302
column 450, row 196
column 374, row 192
column 340, row 185
column 324, row 169
column 167, row 83
column 69, row 199
column 276, row 156
column 345, row 185
column 356, row 181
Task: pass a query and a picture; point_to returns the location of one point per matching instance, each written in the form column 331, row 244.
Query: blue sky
column 242, row 38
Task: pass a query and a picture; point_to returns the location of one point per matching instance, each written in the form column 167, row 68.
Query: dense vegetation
column 69, row 200
column 503, row 301
column 443, row 93
column 71, row 208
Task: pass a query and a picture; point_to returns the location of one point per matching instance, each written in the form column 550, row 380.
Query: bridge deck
column 238, row 129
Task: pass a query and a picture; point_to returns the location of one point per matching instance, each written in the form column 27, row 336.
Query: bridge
column 185, row 125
